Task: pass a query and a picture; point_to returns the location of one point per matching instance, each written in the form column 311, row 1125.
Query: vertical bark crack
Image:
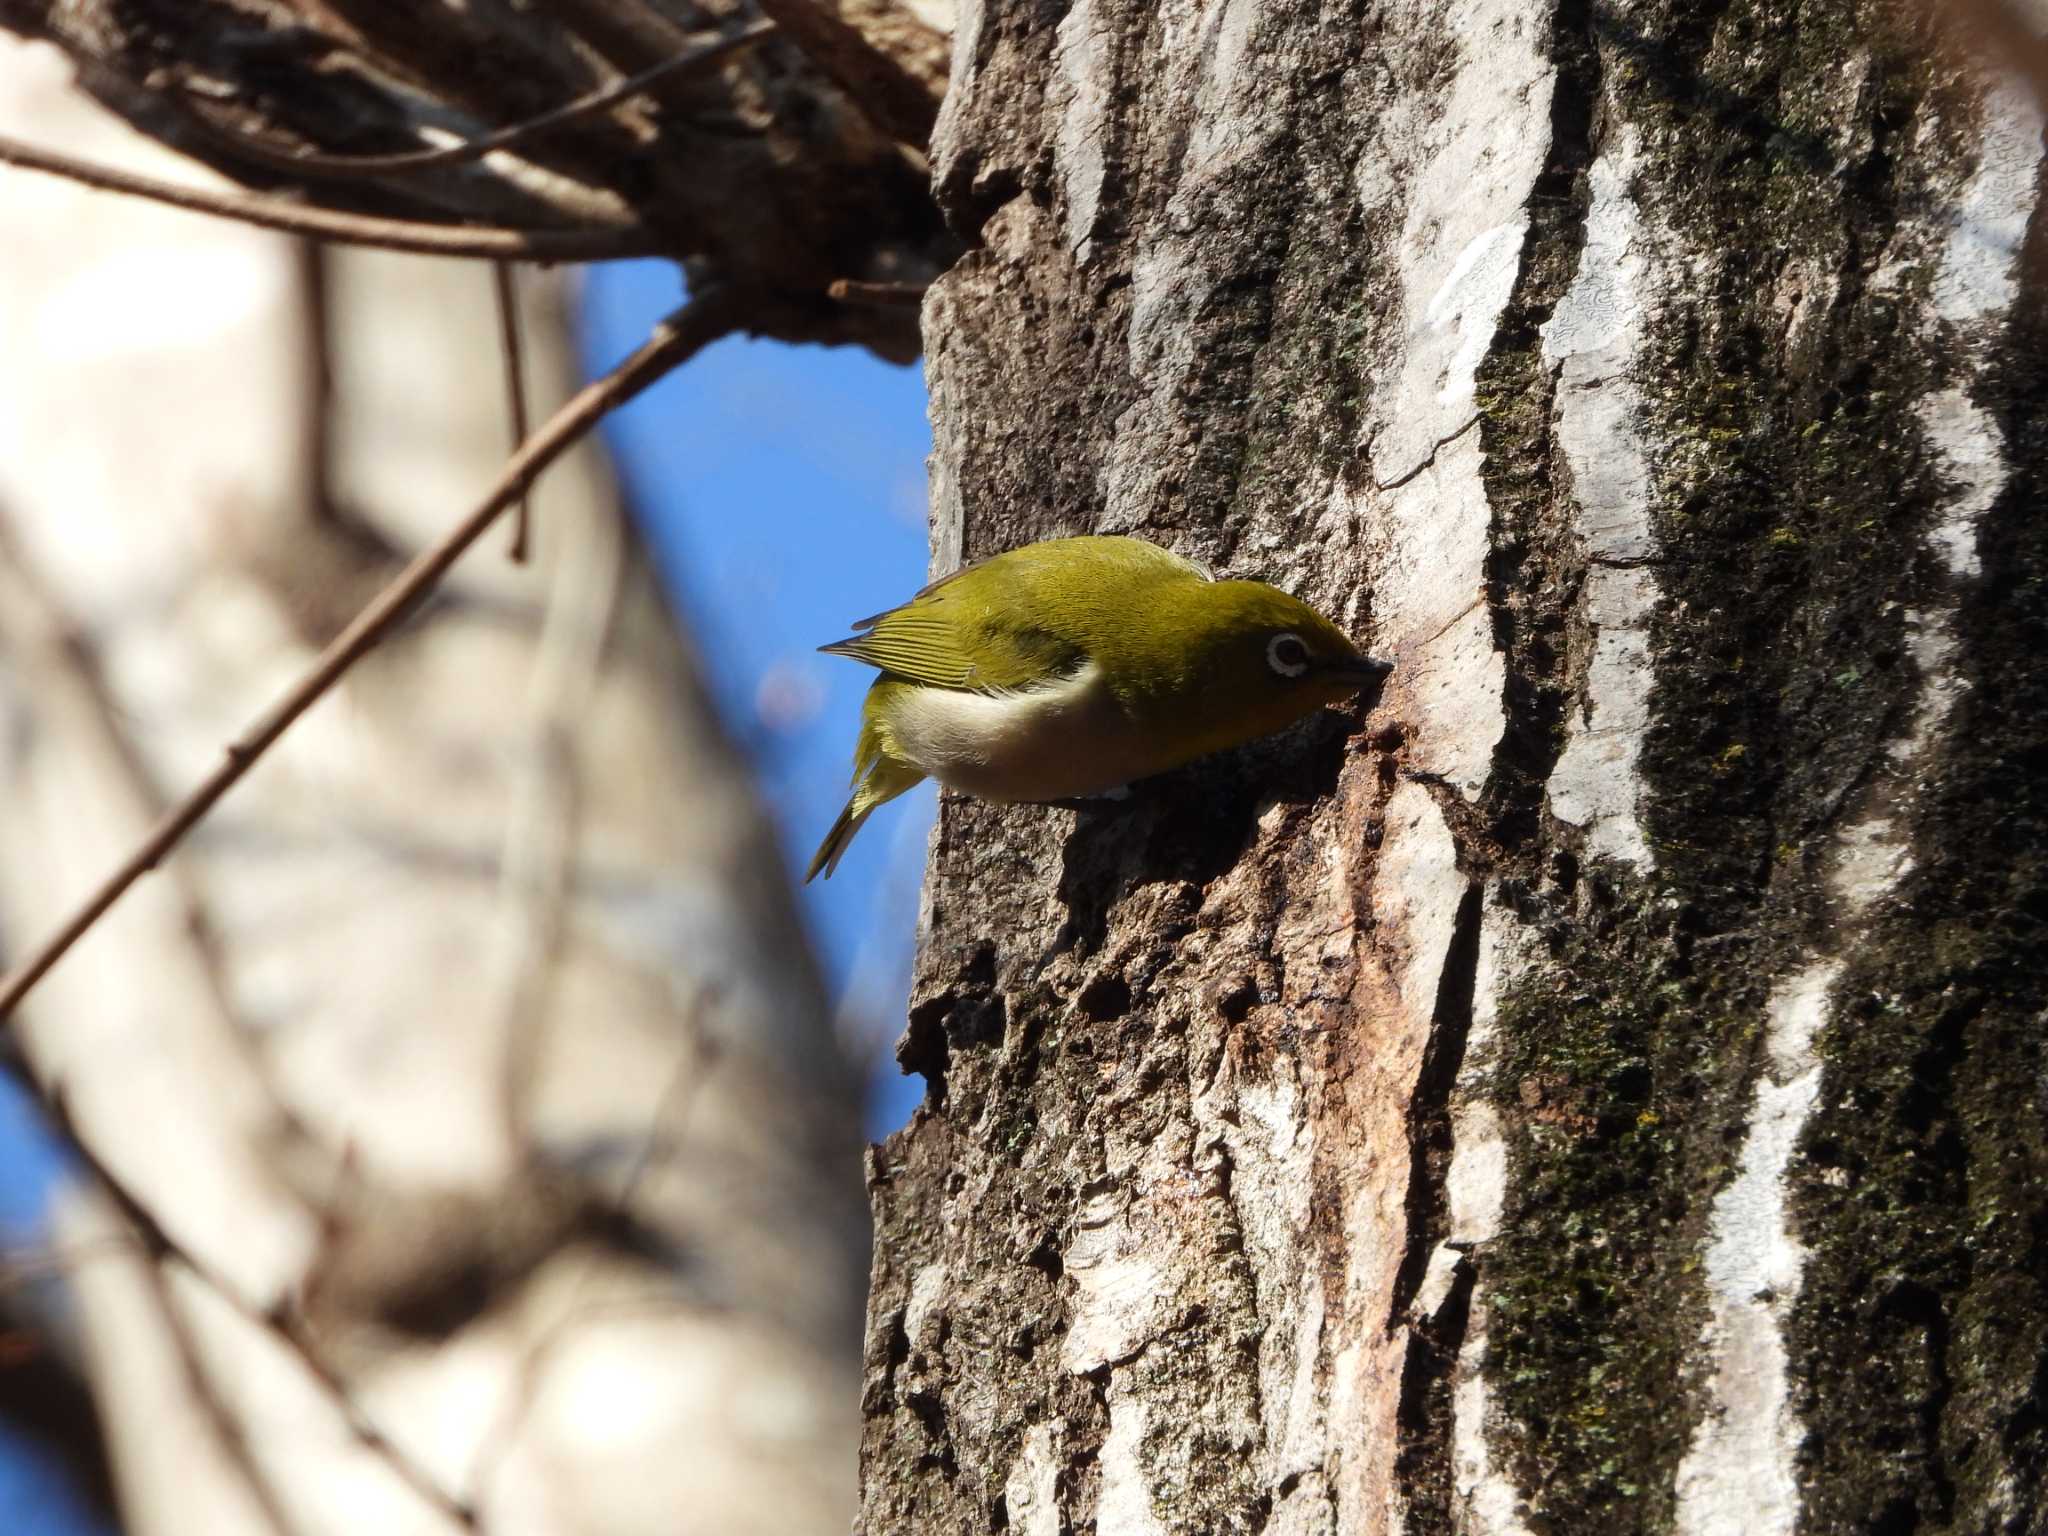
column 1437, row 1329
column 1533, row 574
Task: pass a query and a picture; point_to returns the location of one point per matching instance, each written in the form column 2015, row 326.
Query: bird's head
column 1233, row 660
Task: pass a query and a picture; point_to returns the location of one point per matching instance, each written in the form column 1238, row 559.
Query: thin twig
column 847, row 290
column 347, row 228
column 512, row 350
column 232, row 1436
column 712, row 313
column 324, row 166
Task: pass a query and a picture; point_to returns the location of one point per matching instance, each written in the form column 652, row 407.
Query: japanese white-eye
column 1070, row 667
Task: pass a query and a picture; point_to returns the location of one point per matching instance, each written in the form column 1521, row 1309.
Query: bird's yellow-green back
column 1021, row 618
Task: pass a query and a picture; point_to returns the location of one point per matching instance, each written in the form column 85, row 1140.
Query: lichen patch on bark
column 1591, row 342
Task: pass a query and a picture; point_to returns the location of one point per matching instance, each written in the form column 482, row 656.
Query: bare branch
column 347, row 228
column 847, row 290
column 712, row 313
column 512, row 351
column 321, row 166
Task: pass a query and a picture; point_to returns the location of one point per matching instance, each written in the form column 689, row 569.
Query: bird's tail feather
column 884, row 782
column 827, row 856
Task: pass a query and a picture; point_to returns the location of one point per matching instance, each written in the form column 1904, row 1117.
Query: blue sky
column 782, row 491
column 36, row 1499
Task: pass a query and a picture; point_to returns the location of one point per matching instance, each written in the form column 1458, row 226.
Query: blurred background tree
column 484, row 1046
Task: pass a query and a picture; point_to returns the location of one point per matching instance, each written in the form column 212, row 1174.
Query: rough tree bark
column 1601, row 1091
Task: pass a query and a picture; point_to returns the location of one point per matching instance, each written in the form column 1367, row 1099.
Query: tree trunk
column 1601, row 1090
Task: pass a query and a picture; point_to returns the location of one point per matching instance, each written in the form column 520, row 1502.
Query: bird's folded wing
column 924, row 642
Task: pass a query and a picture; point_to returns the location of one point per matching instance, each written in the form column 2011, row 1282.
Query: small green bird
column 1070, row 667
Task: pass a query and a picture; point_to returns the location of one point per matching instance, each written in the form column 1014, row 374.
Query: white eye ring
column 1287, row 655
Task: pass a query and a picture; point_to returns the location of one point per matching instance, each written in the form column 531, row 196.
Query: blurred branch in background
column 705, row 318
column 887, row 62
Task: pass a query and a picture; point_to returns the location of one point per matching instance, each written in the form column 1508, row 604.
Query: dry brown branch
column 711, row 314
column 316, row 164
column 738, row 153
column 889, row 295
column 549, row 245
column 512, row 352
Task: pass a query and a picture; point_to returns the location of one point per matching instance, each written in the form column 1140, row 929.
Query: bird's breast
column 1066, row 738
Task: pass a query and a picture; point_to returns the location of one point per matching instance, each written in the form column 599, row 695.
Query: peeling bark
column 1598, row 1090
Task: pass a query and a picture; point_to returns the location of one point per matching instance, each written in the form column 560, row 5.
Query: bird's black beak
column 1365, row 672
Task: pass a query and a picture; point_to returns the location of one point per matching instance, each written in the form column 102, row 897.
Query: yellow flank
column 1073, row 666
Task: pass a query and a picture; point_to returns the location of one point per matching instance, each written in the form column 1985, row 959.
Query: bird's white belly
column 1068, row 738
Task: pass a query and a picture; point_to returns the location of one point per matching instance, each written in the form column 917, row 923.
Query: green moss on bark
column 1791, row 492
column 1921, row 1340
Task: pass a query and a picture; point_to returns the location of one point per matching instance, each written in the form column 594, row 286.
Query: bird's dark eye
column 1287, row 655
